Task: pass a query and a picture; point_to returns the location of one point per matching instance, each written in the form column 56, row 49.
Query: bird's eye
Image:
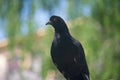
column 54, row 19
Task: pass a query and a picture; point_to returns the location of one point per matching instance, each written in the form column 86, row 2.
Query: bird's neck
column 62, row 35
column 62, row 31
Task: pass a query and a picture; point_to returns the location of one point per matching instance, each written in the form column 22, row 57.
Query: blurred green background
column 25, row 40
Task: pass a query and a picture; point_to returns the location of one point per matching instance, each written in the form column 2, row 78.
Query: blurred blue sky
column 41, row 16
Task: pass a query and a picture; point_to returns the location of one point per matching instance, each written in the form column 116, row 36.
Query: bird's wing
column 79, row 59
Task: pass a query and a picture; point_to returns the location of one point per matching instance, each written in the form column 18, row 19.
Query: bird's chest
column 63, row 53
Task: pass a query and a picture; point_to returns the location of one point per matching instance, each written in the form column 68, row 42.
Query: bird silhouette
column 67, row 53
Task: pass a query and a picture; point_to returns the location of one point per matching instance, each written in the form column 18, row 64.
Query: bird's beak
column 49, row 23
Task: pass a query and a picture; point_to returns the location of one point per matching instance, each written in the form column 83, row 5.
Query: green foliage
column 107, row 13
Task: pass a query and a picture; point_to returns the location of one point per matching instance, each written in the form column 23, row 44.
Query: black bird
column 67, row 53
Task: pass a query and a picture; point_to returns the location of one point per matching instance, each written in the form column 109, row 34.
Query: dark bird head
column 58, row 23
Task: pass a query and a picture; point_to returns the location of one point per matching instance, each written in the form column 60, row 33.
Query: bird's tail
column 80, row 77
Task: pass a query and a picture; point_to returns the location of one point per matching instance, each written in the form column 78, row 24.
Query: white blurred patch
column 3, row 66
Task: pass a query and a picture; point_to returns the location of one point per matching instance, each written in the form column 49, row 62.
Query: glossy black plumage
column 67, row 53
